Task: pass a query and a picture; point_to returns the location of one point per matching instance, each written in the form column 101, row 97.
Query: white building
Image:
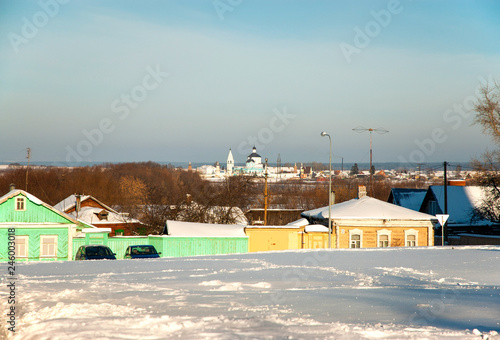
column 254, row 160
column 229, row 163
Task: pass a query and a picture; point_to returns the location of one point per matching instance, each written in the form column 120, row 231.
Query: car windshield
column 98, row 251
column 143, row 250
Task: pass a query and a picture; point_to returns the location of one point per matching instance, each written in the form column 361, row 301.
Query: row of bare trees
column 154, row 193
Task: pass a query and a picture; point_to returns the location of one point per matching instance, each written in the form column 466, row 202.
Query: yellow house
column 295, row 235
column 368, row 222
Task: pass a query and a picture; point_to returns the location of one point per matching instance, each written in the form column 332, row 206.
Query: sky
column 180, row 81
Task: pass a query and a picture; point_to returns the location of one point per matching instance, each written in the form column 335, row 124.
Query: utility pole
column 265, row 195
column 279, row 166
column 28, row 167
column 444, row 235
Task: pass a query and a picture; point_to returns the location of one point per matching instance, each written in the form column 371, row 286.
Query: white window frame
column 43, row 244
column 356, row 232
column 22, row 252
column 384, row 232
column 411, row 232
column 22, row 200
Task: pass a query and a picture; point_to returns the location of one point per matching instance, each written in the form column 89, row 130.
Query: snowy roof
column 407, row 198
column 70, row 202
column 90, row 215
column 37, row 201
column 300, row 222
column 461, row 202
column 190, row 229
column 261, row 226
column 318, row 228
column 368, row 208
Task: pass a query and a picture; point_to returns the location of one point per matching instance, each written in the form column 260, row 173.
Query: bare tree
column 487, row 111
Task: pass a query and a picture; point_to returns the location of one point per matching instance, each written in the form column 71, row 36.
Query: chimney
column 12, row 186
column 456, row 182
column 361, row 191
column 78, row 204
column 189, row 199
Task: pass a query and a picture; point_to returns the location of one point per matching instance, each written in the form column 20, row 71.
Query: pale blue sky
column 274, row 73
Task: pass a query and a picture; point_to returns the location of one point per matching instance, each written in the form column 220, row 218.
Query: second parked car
column 141, row 252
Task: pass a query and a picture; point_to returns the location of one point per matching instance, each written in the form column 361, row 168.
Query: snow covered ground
column 394, row 293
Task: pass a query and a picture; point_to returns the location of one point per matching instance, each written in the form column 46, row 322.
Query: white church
column 252, row 166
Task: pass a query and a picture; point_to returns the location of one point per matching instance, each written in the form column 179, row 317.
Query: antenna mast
column 361, row 129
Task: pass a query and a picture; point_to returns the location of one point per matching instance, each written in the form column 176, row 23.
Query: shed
column 295, row 235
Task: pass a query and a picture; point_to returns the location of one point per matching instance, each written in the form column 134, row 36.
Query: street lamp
column 323, row 134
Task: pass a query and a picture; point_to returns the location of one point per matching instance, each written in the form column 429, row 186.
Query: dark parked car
column 141, row 252
column 94, row 252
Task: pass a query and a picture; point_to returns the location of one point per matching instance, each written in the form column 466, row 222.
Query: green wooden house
column 39, row 231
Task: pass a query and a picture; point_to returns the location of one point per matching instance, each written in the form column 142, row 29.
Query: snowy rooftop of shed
column 190, row 229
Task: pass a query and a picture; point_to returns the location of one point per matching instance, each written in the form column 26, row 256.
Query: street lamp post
column 329, row 193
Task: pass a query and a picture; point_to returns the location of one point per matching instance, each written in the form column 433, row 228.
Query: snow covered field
column 393, row 293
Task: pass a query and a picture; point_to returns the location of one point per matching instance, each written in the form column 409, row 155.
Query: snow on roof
column 318, row 228
column 70, row 202
column 90, row 215
column 368, row 208
column 461, row 202
column 190, row 229
column 16, row 192
column 37, row 201
column 408, row 198
column 288, row 226
column 300, row 222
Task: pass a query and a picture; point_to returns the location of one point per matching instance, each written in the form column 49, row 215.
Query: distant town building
column 254, row 160
column 229, row 163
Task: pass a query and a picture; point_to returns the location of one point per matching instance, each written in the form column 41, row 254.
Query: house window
column 383, row 238
column 383, row 241
column 355, row 241
column 20, row 203
column 411, row 238
column 21, row 246
column 411, row 241
column 48, row 246
column 355, row 238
